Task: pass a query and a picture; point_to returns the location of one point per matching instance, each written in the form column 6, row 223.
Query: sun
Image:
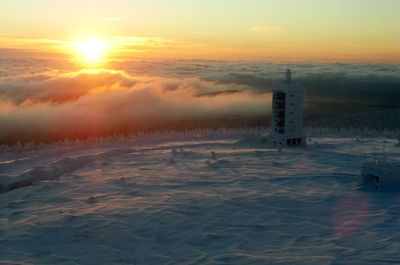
column 91, row 51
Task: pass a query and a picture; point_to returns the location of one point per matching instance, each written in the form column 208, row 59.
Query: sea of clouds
column 50, row 99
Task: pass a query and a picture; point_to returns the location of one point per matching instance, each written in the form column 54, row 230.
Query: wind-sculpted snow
column 54, row 170
column 199, row 200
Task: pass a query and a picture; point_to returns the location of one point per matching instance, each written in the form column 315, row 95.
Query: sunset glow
column 362, row 31
column 90, row 51
column 199, row 132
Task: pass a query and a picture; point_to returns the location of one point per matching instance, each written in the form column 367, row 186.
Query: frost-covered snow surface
column 205, row 199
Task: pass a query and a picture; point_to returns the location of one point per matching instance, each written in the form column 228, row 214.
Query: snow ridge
column 55, row 170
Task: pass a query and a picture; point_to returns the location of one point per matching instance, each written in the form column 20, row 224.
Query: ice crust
column 197, row 200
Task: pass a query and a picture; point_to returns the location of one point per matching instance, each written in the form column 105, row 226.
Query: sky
column 83, row 68
column 301, row 30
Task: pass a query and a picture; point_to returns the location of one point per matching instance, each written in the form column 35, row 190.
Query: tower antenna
column 288, row 76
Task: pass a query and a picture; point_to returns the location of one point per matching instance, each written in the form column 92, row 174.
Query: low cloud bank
column 37, row 102
column 56, row 105
column 331, row 87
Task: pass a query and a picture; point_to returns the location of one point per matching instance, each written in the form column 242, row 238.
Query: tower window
column 280, row 96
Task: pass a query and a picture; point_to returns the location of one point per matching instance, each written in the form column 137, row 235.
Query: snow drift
column 196, row 199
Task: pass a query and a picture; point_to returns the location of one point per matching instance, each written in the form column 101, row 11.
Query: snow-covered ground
column 168, row 199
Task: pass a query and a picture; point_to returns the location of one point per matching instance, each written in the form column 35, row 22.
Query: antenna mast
column 288, row 76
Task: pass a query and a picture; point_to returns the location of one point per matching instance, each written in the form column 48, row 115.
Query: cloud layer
column 54, row 105
column 48, row 99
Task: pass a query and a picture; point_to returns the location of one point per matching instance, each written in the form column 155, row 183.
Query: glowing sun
column 91, row 51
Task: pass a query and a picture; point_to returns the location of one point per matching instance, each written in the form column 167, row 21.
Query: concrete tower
column 287, row 113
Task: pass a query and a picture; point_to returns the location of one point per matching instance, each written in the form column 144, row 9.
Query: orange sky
column 352, row 30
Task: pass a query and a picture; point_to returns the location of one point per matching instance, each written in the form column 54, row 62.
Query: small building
column 381, row 175
column 287, row 113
